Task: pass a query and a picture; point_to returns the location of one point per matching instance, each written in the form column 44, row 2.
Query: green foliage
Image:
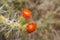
column 23, row 20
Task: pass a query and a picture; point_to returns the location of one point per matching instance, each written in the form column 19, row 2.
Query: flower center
column 31, row 27
column 26, row 13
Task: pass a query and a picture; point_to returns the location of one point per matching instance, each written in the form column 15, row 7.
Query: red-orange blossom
column 31, row 27
column 26, row 13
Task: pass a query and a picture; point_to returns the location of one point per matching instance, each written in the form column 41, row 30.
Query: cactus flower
column 31, row 27
column 26, row 13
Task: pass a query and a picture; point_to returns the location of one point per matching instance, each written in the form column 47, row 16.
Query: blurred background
column 45, row 13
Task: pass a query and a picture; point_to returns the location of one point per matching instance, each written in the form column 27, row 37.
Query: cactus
column 15, row 15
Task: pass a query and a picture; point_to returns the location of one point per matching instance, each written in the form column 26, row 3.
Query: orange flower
column 26, row 13
column 31, row 27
